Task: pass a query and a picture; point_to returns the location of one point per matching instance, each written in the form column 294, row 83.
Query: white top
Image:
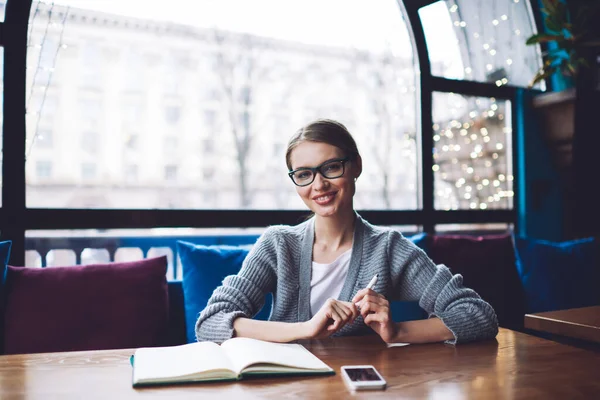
column 327, row 280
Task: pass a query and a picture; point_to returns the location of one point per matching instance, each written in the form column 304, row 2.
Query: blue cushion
column 4, row 256
column 410, row 310
column 204, row 268
column 558, row 276
column 421, row 240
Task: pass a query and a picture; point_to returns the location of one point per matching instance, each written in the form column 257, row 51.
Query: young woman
column 319, row 270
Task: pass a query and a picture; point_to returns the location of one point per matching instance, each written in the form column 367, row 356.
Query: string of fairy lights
column 38, row 67
column 493, row 33
column 472, row 145
column 471, row 156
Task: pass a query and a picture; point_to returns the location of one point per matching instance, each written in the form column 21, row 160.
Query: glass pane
column 60, row 258
column 33, row 259
column 94, row 256
column 472, row 153
column 406, row 230
column 45, row 248
column 125, row 254
column 2, row 9
column 481, row 41
column 473, row 228
column 136, row 105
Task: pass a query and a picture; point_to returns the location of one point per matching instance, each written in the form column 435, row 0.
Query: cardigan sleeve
column 241, row 295
column 440, row 293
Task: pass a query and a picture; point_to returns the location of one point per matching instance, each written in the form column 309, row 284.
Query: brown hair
column 324, row 131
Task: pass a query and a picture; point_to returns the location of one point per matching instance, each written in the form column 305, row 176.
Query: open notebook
column 232, row 360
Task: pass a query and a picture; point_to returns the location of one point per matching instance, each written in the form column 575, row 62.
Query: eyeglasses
column 330, row 169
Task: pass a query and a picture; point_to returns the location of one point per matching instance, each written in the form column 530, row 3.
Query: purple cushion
column 487, row 264
column 91, row 307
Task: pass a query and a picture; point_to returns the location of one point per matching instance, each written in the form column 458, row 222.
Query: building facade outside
column 130, row 113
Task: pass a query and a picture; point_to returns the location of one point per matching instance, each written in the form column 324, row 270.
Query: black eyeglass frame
column 316, row 169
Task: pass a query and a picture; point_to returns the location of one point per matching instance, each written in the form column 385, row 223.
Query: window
column 481, row 41
column 46, row 48
column 126, row 85
column 171, row 146
column 89, row 142
column 88, row 171
column 211, row 94
column 208, row 174
column 172, row 72
column 133, row 112
column 131, row 173
column 91, row 112
column 253, row 78
column 48, row 110
column 208, row 145
column 43, row 169
column 472, row 153
column 47, row 61
column 43, row 77
column 132, row 142
column 133, row 70
column 209, row 198
column 473, row 228
column 42, row 115
column 45, row 138
column 210, row 118
column 91, row 68
column 45, row 52
column 172, row 114
column 171, row 173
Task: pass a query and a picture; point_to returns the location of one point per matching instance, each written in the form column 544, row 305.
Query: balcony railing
column 90, row 250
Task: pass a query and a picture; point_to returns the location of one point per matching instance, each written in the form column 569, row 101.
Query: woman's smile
column 324, row 199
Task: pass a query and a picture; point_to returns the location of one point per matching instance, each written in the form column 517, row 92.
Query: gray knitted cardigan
column 281, row 261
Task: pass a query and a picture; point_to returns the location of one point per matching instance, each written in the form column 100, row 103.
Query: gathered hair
column 324, row 131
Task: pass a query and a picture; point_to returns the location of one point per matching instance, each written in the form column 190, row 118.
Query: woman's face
column 325, row 197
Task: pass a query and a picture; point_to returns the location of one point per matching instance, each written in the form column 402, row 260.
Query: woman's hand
column 375, row 310
column 332, row 317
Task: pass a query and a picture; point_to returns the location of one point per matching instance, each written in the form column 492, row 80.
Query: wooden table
column 578, row 323
column 513, row 366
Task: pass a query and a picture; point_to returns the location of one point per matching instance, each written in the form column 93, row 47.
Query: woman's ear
column 357, row 167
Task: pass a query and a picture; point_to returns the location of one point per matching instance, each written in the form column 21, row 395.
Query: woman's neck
column 334, row 233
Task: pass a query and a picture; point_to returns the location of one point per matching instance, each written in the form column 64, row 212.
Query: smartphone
column 362, row 377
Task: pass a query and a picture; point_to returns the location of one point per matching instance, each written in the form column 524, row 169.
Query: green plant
column 572, row 36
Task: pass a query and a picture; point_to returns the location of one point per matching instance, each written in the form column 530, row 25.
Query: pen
column 373, row 282
column 370, row 286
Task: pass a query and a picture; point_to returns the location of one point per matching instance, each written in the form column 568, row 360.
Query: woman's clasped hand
column 332, row 317
column 335, row 314
column 376, row 312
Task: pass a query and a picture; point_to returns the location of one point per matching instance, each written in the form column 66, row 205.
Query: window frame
column 17, row 218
